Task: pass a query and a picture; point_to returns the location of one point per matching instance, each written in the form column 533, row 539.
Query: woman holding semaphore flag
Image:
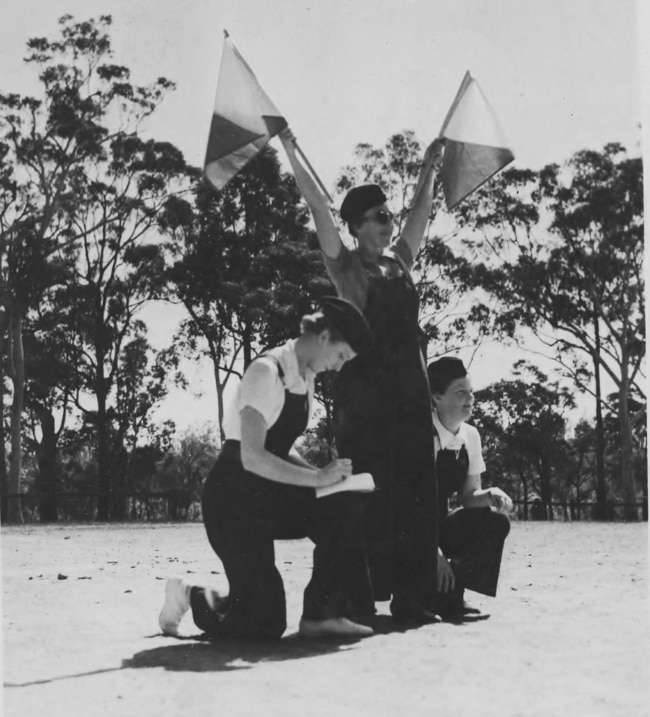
column 382, row 410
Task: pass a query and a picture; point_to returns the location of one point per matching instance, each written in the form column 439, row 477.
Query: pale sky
column 562, row 75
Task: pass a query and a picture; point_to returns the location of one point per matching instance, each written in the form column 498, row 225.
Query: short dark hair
column 343, row 320
column 443, row 371
column 357, row 201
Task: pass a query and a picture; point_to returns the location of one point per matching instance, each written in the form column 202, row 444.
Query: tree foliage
column 523, row 426
column 82, row 190
column 246, row 266
column 563, row 251
column 96, row 220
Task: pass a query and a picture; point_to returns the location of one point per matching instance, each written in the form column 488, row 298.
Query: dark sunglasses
column 381, row 217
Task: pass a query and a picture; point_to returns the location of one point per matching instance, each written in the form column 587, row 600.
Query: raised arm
column 327, row 231
column 418, row 217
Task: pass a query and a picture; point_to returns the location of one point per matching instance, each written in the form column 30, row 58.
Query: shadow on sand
column 200, row 655
column 196, row 654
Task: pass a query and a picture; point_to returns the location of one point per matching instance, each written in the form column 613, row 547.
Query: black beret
column 443, row 371
column 359, row 199
column 345, row 318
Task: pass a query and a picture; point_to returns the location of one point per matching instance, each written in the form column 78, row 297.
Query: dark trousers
column 243, row 515
column 472, row 540
column 401, row 535
column 392, row 439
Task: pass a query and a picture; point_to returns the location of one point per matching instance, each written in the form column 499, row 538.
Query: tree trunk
column 4, row 478
column 220, row 406
column 17, row 373
column 546, row 493
column 600, row 511
column 628, row 478
column 577, row 501
column 247, row 348
column 4, row 482
column 103, row 477
column 104, row 488
column 524, row 483
column 118, row 469
column 47, row 479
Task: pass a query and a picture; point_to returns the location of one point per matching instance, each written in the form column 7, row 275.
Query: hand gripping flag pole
column 244, row 119
column 475, row 146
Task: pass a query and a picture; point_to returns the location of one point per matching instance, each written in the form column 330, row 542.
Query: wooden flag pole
column 313, row 172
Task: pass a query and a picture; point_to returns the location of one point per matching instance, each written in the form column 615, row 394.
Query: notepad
column 359, row 482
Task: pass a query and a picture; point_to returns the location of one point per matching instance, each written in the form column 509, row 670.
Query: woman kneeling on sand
column 471, row 536
column 261, row 490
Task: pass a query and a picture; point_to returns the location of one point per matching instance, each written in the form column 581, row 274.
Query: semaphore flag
column 475, row 147
column 243, row 121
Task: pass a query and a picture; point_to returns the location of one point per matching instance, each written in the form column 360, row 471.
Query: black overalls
column 470, row 538
column 243, row 513
column 382, row 421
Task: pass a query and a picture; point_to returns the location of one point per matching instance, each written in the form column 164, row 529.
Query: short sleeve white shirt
column 263, row 389
column 466, row 436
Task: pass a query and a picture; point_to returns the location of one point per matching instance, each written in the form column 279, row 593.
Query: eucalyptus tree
column 51, row 390
column 563, row 252
column 183, row 469
column 246, row 267
column 82, row 193
column 523, row 426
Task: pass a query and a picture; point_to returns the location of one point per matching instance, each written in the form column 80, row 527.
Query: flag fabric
column 243, row 121
column 475, row 147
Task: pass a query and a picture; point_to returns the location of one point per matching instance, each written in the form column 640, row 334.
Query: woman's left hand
column 500, row 500
column 433, row 154
column 334, row 472
column 287, row 138
column 446, row 577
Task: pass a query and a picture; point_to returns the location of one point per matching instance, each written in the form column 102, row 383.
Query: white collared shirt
column 466, row 436
column 262, row 388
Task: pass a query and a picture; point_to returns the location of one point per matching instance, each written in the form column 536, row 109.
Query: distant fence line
column 72, row 506
column 584, row 511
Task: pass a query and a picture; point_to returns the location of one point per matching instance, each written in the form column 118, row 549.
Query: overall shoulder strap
column 275, row 360
column 405, row 269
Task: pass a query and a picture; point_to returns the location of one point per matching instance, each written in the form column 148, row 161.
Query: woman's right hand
column 446, row 577
column 334, row 472
column 433, row 154
column 287, row 138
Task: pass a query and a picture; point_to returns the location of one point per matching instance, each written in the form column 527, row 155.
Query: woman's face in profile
column 331, row 355
column 457, row 401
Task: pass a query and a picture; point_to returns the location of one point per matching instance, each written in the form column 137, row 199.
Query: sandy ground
column 567, row 634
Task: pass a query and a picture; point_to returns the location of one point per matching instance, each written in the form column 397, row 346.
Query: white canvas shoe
column 177, row 603
column 334, row 627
